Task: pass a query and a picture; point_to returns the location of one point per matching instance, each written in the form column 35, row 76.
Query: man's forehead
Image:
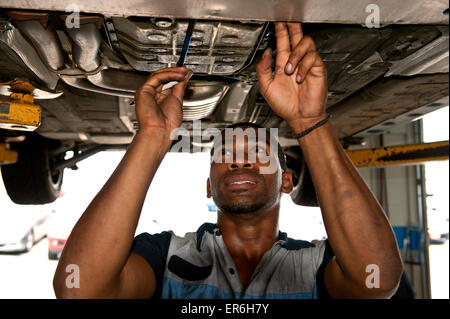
column 243, row 134
column 248, row 136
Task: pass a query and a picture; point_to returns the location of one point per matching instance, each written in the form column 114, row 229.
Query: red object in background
column 56, row 244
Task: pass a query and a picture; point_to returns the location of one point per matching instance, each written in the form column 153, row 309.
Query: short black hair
column 281, row 155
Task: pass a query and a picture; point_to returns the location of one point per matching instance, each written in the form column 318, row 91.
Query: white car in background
column 22, row 226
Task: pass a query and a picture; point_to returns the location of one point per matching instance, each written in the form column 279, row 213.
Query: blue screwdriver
column 187, row 41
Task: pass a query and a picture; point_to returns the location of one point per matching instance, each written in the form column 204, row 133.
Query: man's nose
column 243, row 165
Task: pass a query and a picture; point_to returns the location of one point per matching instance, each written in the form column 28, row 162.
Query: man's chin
column 241, row 207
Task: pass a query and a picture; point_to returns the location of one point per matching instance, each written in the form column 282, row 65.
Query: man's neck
column 249, row 236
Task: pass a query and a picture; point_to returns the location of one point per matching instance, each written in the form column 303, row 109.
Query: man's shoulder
column 293, row 244
column 166, row 237
column 315, row 251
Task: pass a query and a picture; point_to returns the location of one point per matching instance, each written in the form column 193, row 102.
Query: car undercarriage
column 86, row 66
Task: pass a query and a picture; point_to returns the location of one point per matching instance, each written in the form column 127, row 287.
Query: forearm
column 100, row 241
column 357, row 227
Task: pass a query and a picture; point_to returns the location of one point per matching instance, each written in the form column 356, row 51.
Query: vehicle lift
column 19, row 112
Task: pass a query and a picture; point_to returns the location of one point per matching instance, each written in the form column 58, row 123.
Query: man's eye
column 259, row 149
column 225, row 152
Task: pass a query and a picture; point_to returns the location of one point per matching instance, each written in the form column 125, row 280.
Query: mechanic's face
column 240, row 186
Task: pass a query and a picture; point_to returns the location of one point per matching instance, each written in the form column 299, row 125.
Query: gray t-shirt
column 198, row 265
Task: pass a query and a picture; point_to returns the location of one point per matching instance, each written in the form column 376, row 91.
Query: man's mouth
column 242, row 185
column 242, row 182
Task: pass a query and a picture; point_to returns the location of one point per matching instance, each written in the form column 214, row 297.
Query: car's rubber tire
column 52, row 255
column 31, row 180
column 303, row 193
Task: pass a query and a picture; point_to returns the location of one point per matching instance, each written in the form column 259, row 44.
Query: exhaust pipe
column 87, row 41
column 44, row 39
column 200, row 99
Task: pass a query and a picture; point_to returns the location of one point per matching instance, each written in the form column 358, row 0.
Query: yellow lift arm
column 20, row 112
column 412, row 154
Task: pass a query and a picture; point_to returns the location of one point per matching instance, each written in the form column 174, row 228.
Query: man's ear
column 286, row 182
column 208, row 188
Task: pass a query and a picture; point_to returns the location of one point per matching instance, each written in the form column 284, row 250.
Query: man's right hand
column 158, row 109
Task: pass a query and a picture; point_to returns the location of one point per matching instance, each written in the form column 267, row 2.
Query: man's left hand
column 298, row 89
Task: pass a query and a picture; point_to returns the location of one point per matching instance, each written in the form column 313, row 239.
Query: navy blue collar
column 285, row 241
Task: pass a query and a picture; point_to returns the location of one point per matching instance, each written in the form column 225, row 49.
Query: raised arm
column 101, row 239
column 358, row 230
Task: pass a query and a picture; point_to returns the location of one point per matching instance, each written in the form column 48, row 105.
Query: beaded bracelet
column 307, row 131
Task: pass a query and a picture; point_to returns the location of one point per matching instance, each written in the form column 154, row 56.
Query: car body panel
column 312, row 11
column 387, row 64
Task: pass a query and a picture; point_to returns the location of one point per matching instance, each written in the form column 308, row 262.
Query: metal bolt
column 163, row 22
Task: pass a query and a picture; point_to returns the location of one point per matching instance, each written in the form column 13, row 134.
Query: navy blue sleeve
column 320, row 280
column 405, row 289
column 154, row 249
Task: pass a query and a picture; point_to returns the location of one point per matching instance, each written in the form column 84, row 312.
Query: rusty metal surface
column 330, row 11
column 400, row 155
column 215, row 47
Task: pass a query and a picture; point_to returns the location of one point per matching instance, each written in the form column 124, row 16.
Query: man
column 244, row 255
